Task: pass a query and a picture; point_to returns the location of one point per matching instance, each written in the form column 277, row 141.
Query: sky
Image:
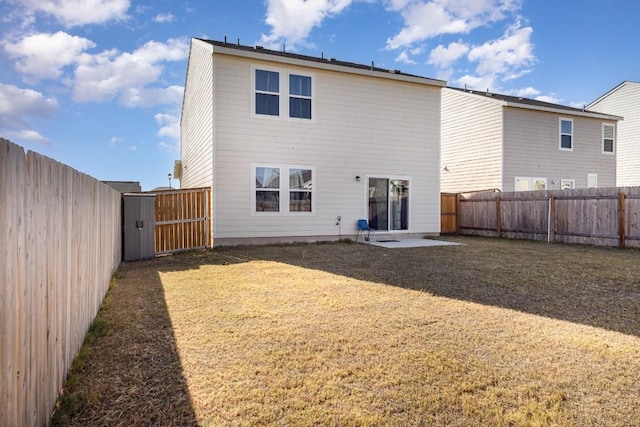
column 98, row 84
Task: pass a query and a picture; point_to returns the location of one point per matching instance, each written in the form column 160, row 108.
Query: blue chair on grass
column 363, row 227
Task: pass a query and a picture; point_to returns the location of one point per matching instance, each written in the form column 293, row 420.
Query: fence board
column 598, row 216
column 60, row 241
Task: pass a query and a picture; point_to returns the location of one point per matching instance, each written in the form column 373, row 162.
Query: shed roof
column 317, row 62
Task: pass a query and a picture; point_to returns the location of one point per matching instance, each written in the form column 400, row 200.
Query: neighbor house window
column 267, row 92
column 523, row 183
column 567, row 184
column 592, row 180
column 608, row 138
column 283, row 189
column 566, row 134
column 299, row 96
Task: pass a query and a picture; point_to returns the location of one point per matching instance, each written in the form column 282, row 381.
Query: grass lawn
column 493, row 332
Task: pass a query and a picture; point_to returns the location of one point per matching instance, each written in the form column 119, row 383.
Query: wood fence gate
column 183, row 220
column 449, row 203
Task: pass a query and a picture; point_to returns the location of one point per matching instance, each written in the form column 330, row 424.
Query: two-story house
column 624, row 100
column 498, row 142
column 297, row 147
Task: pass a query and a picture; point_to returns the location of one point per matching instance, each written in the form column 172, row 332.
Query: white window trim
column 284, row 189
column 573, row 132
column 572, row 183
column 283, row 74
column 531, row 180
column 595, row 178
column 614, row 139
column 366, row 201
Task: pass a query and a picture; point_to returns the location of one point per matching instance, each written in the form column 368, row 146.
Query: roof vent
column 259, row 47
column 332, row 59
column 394, row 71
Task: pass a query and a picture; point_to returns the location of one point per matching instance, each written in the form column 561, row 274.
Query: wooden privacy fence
column 183, row 219
column 60, row 244
column 598, row 216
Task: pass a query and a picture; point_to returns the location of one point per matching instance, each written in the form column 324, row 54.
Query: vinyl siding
column 362, row 126
column 531, row 150
column 625, row 101
column 471, row 142
column 196, row 123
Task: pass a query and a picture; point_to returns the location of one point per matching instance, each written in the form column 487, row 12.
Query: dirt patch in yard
column 494, row 332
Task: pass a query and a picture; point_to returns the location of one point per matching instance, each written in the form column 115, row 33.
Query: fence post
column 552, row 219
column 457, row 213
column 498, row 217
column 621, row 219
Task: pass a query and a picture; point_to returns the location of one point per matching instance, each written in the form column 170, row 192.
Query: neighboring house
column 493, row 141
column 624, row 100
column 299, row 148
column 125, row 186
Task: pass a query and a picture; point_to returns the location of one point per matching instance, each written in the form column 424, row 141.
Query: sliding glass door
column 388, row 204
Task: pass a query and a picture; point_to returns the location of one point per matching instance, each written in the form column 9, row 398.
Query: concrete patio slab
column 411, row 243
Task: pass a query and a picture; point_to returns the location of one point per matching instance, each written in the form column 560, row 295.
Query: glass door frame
column 389, row 178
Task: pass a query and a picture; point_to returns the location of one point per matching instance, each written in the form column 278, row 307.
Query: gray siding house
column 298, row 148
column 624, row 100
column 493, row 141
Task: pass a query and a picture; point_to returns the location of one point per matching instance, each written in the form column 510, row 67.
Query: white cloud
column 111, row 74
column 43, row 55
column 511, row 52
column 551, row 98
column 17, row 104
column 28, row 136
column 443, row 56
column 161, row 18
column 170, row 147
column 144, row 97
column 169, row 125
column 487, row 82
column 291, row 21
column 502, row 59
column 527, row 92
column 427, row 19
column 404, row 57
column 73, row 13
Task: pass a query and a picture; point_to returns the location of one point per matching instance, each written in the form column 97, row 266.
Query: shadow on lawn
column 133, row 375
column 582, row 284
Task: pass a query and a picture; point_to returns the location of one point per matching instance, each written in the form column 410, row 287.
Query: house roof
column 534, row 104
column 328, row 63
column 624, row 83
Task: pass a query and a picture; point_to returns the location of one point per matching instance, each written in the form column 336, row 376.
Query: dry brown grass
column 491, row 333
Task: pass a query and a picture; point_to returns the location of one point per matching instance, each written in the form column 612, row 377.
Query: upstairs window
column 267, row 92
column 608, row 138
column 299, row 96
column 566, row 134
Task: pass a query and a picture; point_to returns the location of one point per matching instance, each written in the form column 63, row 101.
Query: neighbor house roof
column 328, row 63
column 624, row 83
column 534, row 104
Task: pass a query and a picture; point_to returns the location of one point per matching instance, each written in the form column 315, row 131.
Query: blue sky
column 97, row 84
